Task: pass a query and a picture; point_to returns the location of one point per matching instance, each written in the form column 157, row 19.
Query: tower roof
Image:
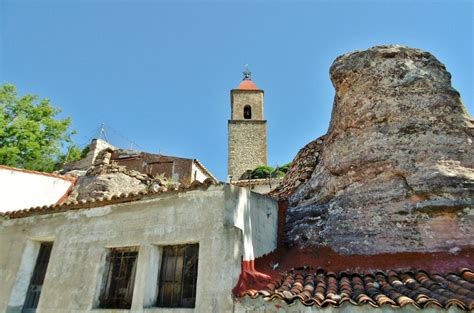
column 248, row 85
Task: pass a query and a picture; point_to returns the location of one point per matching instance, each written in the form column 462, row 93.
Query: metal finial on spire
column 247, row 72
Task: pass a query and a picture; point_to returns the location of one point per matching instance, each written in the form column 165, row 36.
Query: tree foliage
column 31, row 136
column 269, row 172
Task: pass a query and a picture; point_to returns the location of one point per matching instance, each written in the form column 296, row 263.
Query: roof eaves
column 63, row 177
column 260, row 181
column 98, row 202
column 419, row 289
column 206, row 171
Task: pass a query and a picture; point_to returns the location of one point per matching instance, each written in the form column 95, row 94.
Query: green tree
column 31, row 136
column 268, row 171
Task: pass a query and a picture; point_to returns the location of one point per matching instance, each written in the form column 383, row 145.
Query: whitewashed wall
column 81, row 238
column 200, row 175
column 24, row 189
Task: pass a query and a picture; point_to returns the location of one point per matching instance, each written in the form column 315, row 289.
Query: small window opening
column 119, row 278
column 177, row 284
column 247, row 112
column 36, row 283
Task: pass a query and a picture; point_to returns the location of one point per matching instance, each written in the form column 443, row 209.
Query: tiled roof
column 101, row 201
column 260, row 181
column 418, row 288
column 247, row 85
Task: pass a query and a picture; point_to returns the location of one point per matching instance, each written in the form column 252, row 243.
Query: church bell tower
column 247, row 140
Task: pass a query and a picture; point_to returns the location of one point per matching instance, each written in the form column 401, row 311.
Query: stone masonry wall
column 241, row 98
column 247, row 146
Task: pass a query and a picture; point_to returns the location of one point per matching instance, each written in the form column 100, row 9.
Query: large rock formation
column 396, row 170
column 300, row 170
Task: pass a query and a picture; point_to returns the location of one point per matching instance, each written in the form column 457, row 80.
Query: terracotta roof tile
column 418, row 288
column 247, row 85
column 257, row 181
column 100, row 201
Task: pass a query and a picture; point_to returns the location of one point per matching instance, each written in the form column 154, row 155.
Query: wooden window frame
column 119, row 278
column 33, row 293
column 178, row 276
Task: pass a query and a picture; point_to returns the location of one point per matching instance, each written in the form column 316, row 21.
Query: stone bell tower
column 247, row 129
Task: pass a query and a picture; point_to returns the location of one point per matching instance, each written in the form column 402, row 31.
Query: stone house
column 177, row 169
column 175, row 251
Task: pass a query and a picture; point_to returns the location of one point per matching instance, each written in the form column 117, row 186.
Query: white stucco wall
column 81, row 238
column 23, row 189
column 200, row 175
column 257, row 216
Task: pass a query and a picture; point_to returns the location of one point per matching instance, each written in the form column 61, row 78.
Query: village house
column 143, row 252
column 177, row 169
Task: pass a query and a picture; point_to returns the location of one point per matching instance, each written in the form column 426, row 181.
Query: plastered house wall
column 217, row 219
column 23, row 189
column 197, row 173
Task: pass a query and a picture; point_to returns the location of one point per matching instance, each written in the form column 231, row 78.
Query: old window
column 177, row 284
column 247, row 112
column 117, row 290
column 36, row 282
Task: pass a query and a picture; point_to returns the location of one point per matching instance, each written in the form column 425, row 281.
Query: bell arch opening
column 247, row 112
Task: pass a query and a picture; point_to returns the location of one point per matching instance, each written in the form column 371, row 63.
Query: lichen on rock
column 396, row 170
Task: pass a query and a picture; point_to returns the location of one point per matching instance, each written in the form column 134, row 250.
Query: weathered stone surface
column 107, row 185
column 396, row 172
column 95, row 147
column 300, row 170
column 247, row 141
column 106, row 178
column 247, row 146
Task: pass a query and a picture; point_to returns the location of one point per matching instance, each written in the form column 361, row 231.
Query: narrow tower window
column 247, row 112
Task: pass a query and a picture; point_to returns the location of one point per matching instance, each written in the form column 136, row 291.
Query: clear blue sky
column 160, row 72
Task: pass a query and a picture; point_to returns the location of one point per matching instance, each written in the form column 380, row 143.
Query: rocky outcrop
column 300, row 169
column 396, row 171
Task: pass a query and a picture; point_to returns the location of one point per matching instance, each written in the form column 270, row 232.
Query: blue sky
column 159, row 73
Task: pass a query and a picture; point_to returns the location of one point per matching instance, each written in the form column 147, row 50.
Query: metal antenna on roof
column 102, row 133
column 247, row 72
